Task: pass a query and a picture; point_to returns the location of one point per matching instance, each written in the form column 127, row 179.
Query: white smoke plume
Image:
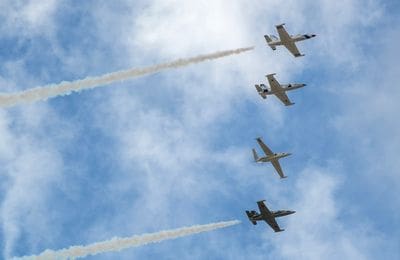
column 67, row 87
column 117, row 244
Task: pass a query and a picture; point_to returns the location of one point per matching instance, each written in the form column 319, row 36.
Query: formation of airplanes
column 278, row 90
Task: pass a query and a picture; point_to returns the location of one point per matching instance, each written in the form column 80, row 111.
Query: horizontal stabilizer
column 249, row 215
column 259, row 89
column 269, row 40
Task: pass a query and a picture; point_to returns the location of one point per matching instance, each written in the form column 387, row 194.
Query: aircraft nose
column 313, row 35
column 304, row 85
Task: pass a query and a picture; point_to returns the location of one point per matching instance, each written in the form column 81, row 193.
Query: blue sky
column 174, row 149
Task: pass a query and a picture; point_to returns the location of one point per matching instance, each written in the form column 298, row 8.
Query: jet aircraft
column 267, row 215
column 270, row 157
column 289, row 41
column 277, row 89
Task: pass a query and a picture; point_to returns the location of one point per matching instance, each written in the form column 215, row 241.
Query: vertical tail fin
column 255, row 155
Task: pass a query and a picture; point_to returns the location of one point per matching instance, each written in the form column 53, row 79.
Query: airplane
column 277, row 89
column 267, row 215
column 289, row 41
column 270, row 157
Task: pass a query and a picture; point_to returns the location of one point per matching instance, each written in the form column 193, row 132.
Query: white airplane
column 277, row 89
column 270, row 157
column 289, row 41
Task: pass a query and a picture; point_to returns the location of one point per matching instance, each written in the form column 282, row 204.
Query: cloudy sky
column 173, row 149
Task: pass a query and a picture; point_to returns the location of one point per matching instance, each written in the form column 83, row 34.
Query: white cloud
column 27, row 17
column 30, row 168
column 317, row 229
column 369, row 114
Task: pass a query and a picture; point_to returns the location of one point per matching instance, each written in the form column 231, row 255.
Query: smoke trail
column 117, row 244
column 66, row 87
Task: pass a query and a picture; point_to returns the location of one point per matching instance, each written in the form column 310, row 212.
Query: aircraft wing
column 263, row 209
column 283, row 35
column 278, row 90
column 272, row 223
column 287, row 40
column 278, row 168
column 284, row 98
column 268, row 217
column 264, row 147
column 274, row 84
column 291, row 46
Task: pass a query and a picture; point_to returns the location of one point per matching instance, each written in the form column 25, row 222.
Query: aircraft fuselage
column 285, row 87
column 295, row 38
column 274, row 157
column 275, row 214
column 282, row 213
